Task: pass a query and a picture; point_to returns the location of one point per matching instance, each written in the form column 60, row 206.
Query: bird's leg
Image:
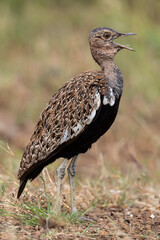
column 60, row 175
column 71, row 173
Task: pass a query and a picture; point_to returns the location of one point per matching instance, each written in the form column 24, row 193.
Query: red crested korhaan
column 77, row 115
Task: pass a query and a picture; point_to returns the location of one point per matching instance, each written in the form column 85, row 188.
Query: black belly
column 102, row 122
column 93, row 132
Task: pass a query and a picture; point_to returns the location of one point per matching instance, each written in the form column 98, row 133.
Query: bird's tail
column 21, row 187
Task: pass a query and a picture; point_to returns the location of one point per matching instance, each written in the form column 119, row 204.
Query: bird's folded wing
column 63, row 119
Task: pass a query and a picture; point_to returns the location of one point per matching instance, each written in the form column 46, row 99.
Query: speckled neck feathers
column 111, row 72
column 113, row 76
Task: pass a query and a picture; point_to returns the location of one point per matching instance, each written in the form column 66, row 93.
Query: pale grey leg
column 60, row 175
column 71, row 173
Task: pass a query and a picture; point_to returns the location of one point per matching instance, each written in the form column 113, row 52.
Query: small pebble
column 152, row 216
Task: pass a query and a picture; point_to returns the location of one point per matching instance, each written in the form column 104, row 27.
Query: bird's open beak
column 124, row 46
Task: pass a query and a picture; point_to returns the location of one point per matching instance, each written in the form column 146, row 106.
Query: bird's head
column 101, row 41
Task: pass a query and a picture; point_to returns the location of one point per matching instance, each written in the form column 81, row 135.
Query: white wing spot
column 111, row 100
column 97, row 100
column 105, row 100
column 65, row 136
column 91, row 116
column 77, row 129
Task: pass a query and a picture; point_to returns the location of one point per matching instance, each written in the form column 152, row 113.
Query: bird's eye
column 106, row 35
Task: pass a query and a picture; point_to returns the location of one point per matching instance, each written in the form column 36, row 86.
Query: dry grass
column 121, row 207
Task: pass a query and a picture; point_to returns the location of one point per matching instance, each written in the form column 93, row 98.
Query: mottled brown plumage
column 71, row 104
column 78, row 113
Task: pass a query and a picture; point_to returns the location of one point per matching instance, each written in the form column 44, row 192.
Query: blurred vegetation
column 44, row 43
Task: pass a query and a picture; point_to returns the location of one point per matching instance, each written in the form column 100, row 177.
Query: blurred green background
column 44, row 43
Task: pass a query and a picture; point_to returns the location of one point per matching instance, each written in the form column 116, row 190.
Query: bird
column 77, row 115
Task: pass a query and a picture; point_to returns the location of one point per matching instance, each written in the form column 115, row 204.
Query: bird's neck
column 111, row 71
column 112, row 75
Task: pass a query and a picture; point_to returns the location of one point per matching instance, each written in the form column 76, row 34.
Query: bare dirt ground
column 139, row 221
column 131, row 215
